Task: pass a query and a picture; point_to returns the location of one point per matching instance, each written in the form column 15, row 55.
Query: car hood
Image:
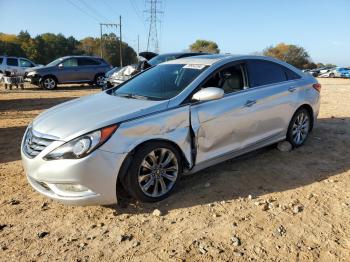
column 39, row 68
column 79, row 116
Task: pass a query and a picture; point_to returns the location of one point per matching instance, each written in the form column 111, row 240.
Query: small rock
column 82, row 245
column 157, row 213
column 238, row 253
column 265, row 207
column 135, row 244
column 297, row 209
column 14, row 202
column 203, row 248
column 45, row 206
column 281, row 230
column 250, row 197
column 234, row 224
column 122, row 238
column 42, row 234
column 223, row 202
column 3, row 248
column 235, row 241
column 105, row 232
column 2, row 226
column 93, row 226
column 207, row 184
column 101, row 224
column 216, row 215
column 284, row 146
column 210, row 205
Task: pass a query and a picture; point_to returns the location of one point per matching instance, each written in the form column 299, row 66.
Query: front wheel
column 48, row 83
column 154, row 171
column 99, row 80
column 299, row 128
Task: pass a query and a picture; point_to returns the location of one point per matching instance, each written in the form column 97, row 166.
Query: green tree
column 205, row 46
column 292, row 54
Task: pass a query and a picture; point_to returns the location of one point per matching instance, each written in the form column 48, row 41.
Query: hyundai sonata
column 175, row 118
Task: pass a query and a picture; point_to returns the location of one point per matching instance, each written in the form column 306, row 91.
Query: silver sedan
column 175, row 118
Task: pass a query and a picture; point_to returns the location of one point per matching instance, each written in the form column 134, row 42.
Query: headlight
column 83, row 145
column 32, row 73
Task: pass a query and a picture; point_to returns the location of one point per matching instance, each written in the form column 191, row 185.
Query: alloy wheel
column 100, row 80
column 49, row 83
column 158, row 172
column 301, row 128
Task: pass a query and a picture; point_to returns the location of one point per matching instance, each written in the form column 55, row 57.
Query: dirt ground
column 265, row 206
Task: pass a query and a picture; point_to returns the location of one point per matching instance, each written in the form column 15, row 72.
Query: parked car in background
column 12, row 65
column 150, row 59
column 68, row 70
column 178, row 117
column 341, row 72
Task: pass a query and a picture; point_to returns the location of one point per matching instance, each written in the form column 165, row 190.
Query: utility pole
column 120, row 41
column 101, row 47
column 138, row 48
column 120, row 37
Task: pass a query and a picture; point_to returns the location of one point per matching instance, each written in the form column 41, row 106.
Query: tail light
column 317, row 86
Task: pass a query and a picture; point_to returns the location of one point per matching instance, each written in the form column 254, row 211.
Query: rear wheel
column 299, row 127
column 154, row 171
column 331, row 75
column 48, row 83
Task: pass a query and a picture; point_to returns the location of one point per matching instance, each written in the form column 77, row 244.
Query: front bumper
column 97, row 172
column 34, row 80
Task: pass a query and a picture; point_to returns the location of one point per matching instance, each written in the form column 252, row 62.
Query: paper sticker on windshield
column 194, row 66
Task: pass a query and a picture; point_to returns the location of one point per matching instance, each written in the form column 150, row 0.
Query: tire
column 146, row 180
column 48, row 83
column 99, row 80
column 331, row 75
column 299, row 127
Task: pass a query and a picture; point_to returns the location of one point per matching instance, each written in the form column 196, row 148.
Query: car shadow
column 67, row 87
column 30, row 104
column 10, row 143
column 325, row 154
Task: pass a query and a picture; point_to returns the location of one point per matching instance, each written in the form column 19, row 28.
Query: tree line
column 46, row 47
column 292, row 54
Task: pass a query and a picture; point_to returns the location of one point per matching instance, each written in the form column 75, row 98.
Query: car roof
column 80, row 56
column 214, row 58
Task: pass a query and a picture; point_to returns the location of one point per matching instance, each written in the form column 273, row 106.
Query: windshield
column 160, row 59
column 160, row 82
column 55, row 62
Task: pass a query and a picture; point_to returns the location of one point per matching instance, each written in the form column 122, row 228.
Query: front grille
column 33, row 144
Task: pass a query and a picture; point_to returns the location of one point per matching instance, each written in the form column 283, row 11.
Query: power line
column 93, row 10
column 137, row 11
column 82, row 10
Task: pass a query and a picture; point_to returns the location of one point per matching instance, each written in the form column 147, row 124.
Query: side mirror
column 208, row 93
column 60, row 65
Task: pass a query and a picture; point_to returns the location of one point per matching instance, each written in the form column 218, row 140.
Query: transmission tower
column 153, row 19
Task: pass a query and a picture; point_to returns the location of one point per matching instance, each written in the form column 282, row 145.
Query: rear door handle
column 249, row 103
column 292, row 89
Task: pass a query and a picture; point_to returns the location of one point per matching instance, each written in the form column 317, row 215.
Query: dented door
column 221, row 126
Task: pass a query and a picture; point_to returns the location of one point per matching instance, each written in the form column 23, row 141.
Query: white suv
column 15, row 65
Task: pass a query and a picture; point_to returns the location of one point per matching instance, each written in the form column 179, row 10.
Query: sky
column 322, row 27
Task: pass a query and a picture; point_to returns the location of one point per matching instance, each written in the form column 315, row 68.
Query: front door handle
column 292, row 89
column 249, row 103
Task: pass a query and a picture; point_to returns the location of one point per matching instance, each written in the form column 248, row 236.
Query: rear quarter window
column 1, row 59
column 265, row 72
column 291, row 75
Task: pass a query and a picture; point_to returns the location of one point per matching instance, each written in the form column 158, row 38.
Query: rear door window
column 87, row 62
column 1, row 59
column 71, row 62
column 265, row 73
column 12, row 61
